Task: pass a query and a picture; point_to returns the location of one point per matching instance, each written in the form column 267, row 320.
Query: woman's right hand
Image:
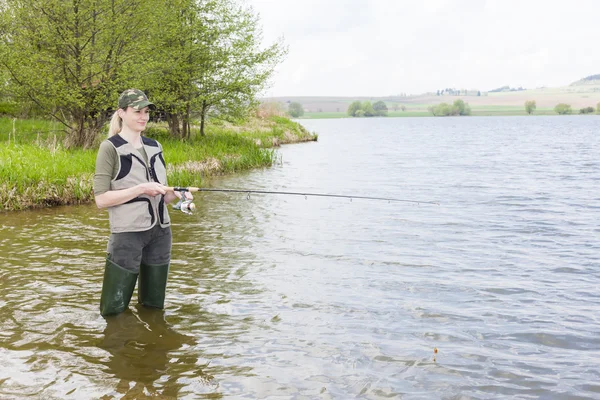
column 152, row 188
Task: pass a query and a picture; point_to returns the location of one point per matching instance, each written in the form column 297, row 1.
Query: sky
column 390, row 47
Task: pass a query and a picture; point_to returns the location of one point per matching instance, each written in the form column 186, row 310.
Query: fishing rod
column 187, row 205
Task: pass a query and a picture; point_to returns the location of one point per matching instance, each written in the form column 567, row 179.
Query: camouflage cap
column 134, row 98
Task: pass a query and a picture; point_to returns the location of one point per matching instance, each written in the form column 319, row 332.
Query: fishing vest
column 143, row 212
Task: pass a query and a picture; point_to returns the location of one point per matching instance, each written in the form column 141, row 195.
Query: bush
column 459, row 107
column 563, row 109
column 380, row 108
column 586, row 110
column 530, row 106
column 353, row 108
column 296, row 110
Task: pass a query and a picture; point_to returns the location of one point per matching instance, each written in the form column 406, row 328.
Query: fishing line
column 187, row 203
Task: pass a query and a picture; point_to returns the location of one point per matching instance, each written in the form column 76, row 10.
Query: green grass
column 37, row 171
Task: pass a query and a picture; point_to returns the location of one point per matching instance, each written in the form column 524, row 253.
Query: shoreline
column 40, row 173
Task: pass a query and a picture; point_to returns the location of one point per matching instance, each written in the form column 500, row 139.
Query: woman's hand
column 152, row 188
column 176, row 195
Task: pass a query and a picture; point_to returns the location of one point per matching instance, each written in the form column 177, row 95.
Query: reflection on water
column 286, row 297
column 141, row 345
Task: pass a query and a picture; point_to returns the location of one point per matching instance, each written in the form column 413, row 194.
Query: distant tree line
column 459, row 107
column 366, row 109
column 507, row 89
column 69, row 60
column 458, row 92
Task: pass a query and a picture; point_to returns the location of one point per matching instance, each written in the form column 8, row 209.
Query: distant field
column 421, row 111
column 503, row 103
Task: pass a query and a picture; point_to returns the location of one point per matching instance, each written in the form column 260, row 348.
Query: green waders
column 117, row 289
column 153, row 285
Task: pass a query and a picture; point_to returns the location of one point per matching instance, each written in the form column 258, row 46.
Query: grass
column 37, row 171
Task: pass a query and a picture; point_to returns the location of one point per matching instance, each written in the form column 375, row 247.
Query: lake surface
column 290, row 297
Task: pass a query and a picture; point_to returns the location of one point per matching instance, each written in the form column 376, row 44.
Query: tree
column 210, row 62
column 296, row 110
column 353, row 108
column 530, row 106
column 380, row 108
column 563, row 109
column 72, row 59
column 367, row 107
column 598, row 108
column 459, row 107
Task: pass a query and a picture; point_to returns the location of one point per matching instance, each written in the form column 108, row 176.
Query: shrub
column 563, row 109
column 530, row 106
column 296, row 110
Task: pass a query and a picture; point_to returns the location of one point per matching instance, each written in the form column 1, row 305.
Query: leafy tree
column 72, row 59
column 598, row 108
column 530, row 106
column 380, row 108
column 367, row 107
column 403, row 107
column 586, row 110
column 353, row 108
column 210, row 62
column 296, row 110
column 459, row 107
column 563, row 108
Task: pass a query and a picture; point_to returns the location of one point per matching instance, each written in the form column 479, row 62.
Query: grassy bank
column 37, row 171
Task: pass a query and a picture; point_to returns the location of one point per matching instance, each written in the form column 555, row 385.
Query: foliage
column 507, row 89
column 366, row 109
column 586, row 110
column 71, row 59
column 353, row 108
column 380, row 108
column 209, row 62
column 530, row 106
column 295, row 109
column 459, row 107
column 598, row 108
column 563, row 108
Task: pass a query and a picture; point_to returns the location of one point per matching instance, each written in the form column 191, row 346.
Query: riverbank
column 37, row 171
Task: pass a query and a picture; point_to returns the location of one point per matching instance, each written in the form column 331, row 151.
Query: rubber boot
column 117, row 289
column 153, row 285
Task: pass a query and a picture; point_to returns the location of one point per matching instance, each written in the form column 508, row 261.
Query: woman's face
column 135, row 120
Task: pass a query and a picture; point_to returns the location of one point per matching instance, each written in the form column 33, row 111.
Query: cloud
column 384, row 47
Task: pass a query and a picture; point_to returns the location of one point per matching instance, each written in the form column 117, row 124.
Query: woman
column 130, row 181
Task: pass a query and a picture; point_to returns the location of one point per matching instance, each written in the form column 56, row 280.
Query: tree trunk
column 203, row 117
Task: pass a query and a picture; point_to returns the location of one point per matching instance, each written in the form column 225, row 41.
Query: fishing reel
column 185, row 205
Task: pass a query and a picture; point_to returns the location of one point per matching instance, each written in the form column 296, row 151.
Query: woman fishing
column 130, row 182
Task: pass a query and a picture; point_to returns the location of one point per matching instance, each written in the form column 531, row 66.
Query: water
column 287, row 297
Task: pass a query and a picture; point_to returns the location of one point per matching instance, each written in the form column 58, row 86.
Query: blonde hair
column 116, row 124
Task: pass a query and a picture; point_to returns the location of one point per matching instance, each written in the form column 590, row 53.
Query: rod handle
column 182, row 189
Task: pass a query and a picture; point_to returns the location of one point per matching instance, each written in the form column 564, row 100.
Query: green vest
column 143, row 212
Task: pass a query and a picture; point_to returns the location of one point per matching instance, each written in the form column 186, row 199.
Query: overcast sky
column 387, row 47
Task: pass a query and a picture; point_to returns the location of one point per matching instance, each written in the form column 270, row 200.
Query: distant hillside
column 589, row 80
